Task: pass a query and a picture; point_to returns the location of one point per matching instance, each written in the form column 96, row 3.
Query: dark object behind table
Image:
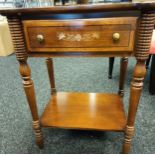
column 19, row 3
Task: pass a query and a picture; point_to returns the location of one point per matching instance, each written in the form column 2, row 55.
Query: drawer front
column 83, row 35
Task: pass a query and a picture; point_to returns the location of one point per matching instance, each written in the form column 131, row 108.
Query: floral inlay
column 78, row 37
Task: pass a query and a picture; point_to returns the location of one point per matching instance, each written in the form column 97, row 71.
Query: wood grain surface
column 84, row 35
column 85, row 111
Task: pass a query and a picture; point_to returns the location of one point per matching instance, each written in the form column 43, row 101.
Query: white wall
column 6, row 3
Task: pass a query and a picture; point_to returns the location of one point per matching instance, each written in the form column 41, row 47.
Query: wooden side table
column 110, row 30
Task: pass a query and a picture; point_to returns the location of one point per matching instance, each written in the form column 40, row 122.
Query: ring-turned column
column 146, row 27
column 16, row 29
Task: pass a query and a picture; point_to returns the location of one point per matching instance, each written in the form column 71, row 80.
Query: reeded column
column 15, row 26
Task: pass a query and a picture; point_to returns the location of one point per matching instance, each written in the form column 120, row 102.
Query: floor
column 72, row 74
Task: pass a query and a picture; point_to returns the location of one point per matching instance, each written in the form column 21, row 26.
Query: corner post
column 123, row 68
column 17, row 34
column 50, row 69
column 145, row 28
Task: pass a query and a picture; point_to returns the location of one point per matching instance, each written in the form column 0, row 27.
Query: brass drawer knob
column 116, row 36
column 40, row 38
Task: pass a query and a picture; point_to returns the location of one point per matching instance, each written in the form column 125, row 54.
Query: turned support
column 146, row 26
column 30, row 95
column 50, row 69
column 123, row 69
column 15, row 26
column 135, row 92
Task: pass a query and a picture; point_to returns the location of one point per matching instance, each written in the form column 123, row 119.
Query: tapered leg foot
column 38, row 134
column 127, row 140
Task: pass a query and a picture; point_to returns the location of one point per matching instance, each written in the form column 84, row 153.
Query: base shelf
column 93, row 111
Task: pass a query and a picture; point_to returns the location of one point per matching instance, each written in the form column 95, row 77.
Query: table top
column 123, row 6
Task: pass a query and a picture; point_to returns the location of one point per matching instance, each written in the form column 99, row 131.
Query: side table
column 98, row 30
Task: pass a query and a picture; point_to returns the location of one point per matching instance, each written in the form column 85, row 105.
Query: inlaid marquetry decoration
column 78, row 37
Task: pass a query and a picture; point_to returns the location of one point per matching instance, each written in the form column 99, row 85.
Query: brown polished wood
column 123, row 68
column 81, row 35
column 80, row 54
column 21, row 54
column 82, row 1
column 50, row 69
column 65, row 109
column 95, row 111
column 146, row 27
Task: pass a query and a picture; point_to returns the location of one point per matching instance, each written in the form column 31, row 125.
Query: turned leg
column 135, row 92
column 30, row 95
column 141, row 54
column 15, row 26
column 123, row 68
column 111, row 64
column 50, row 68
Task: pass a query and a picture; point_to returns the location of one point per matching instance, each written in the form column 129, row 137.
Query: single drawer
column 80, row 35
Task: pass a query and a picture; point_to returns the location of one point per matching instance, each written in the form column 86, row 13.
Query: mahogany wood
column 21, row 54
column 146, row 27
column 102, row 110
column 123, row 68
column 85, row 111
column 50, row 69
column 82, row 35
column 80, row 54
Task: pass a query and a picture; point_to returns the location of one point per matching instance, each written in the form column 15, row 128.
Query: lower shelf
column 95, row 111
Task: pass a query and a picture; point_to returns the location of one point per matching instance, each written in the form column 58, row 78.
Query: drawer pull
column 116, row 36
column 40, row 38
